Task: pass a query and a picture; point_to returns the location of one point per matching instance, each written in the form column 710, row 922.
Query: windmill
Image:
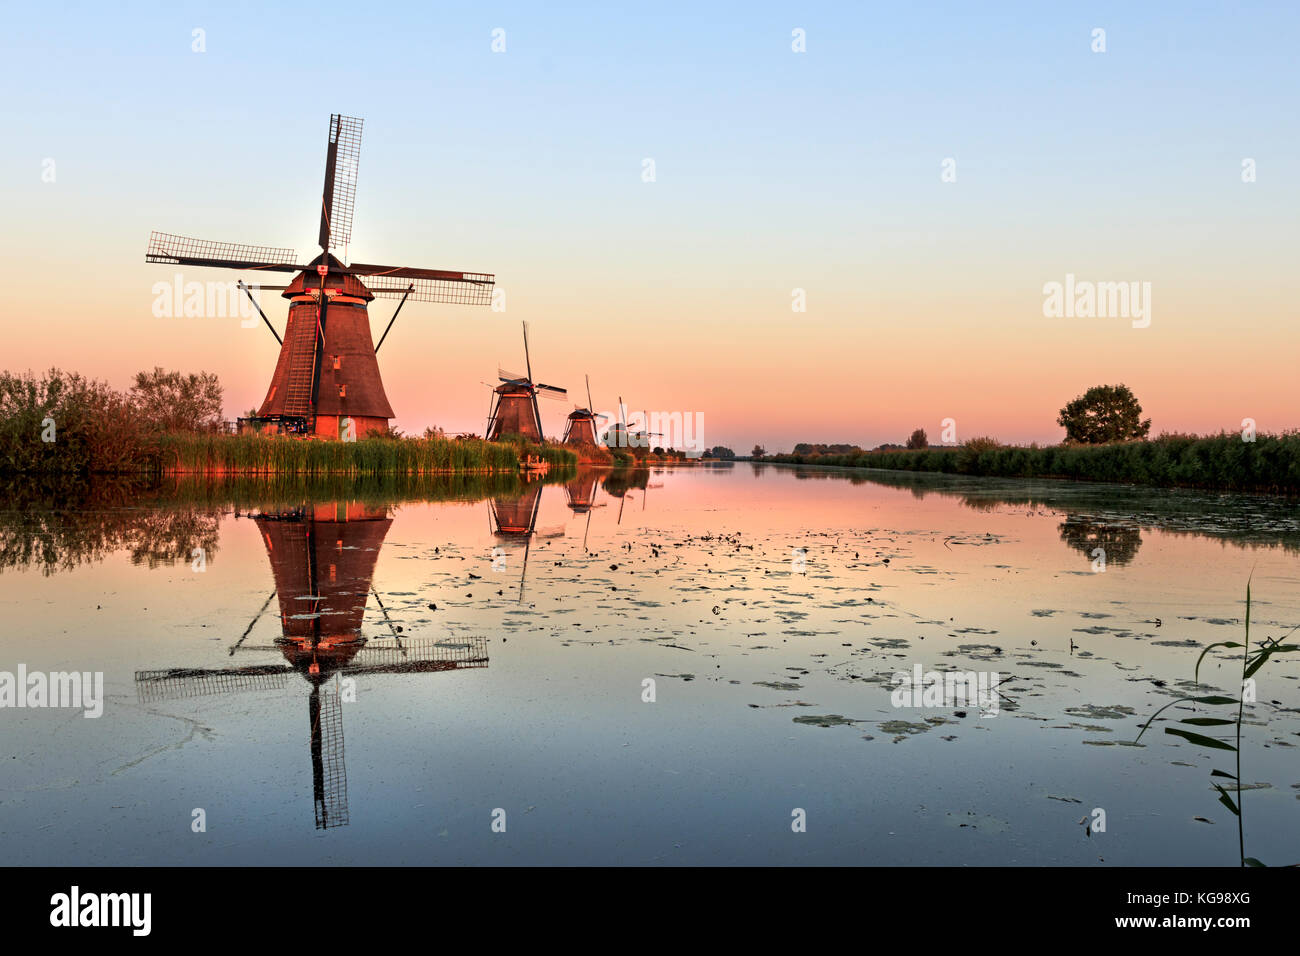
column 617, row 435
column 641, row 439
column 581, row 427
column 326, row 380
column 323, row 561
column 514, row 408
column 621, row 435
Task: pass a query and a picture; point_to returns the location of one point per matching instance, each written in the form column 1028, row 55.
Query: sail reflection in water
column 323, row 561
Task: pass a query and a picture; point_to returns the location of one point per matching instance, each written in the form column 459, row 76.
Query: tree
column 1104, row 413
column 64, row 423
column 918, row 439
column 720, row 451
column 758, row 452
column 171, row 402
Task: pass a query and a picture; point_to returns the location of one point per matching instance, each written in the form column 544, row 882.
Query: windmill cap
column 342, row 283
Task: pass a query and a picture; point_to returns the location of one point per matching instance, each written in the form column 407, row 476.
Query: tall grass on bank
column 1224, row 462
column 277, row 455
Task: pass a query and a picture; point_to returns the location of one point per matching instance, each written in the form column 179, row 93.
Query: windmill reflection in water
column 323, row 558
column 514, row 524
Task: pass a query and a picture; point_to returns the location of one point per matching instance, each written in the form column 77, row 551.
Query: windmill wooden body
column 514, row 407
column 581, row 426
column 326, row 381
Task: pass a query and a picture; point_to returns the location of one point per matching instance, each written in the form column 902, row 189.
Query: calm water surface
column 369, row 677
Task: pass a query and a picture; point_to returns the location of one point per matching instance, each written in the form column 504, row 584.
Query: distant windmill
column 514, row 406
column 326, row 380
column 621, row 435
column 617, row 436
column 581, row 428
column 642, row 438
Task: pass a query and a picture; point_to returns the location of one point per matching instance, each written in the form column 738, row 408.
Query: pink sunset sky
column 774, row 171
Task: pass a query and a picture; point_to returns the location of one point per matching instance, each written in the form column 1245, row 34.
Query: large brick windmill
column 326, row 381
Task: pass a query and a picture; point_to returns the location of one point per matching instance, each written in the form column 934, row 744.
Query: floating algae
column 1113, row 712
column 825, row 720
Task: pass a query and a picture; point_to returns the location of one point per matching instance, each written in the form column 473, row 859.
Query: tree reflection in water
column 1119, row 541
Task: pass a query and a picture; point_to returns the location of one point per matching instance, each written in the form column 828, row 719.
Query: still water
column 676, row 666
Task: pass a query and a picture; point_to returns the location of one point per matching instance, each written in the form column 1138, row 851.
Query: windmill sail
column 342, row 156
column 185, row 251
column 464, row 288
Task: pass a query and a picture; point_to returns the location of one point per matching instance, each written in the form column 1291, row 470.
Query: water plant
column 1251, row 661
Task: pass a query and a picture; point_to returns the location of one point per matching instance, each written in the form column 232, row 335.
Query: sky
column 915, row 177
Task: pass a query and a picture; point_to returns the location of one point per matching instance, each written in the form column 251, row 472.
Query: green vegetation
column 171, row 402
column 1251, row 662
column 61, row 425
column 1270, row 463
column 1106, row 440
column 1104, row 413
column 210, row 453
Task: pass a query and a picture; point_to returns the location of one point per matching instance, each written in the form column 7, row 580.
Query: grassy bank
column 1271, row 463
column 272, row 455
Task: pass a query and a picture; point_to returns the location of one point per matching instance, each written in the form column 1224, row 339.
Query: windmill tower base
column 344, row 427
column 348, row 428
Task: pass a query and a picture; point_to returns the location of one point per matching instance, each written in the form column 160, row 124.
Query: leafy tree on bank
column 174, row 402
column 758, row 452
column 63, row 423
column 1104, row 413
column 918, row 439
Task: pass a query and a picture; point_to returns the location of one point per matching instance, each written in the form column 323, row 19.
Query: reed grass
column 215, row 454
